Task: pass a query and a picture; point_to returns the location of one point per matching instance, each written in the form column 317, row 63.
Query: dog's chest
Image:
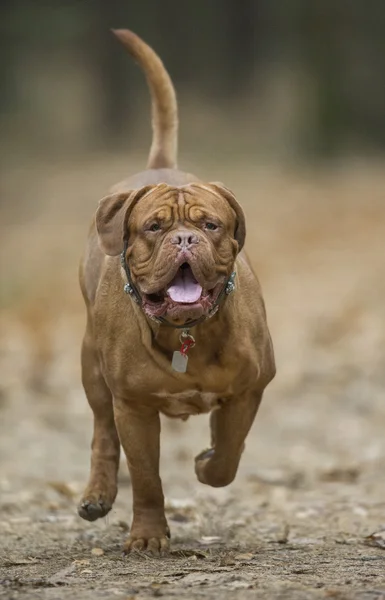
column 186, row 403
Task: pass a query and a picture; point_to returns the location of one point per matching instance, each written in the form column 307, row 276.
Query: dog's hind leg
column 229, row 427
column 101, row 490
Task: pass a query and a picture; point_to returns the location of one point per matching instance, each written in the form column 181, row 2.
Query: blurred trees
column 217, row 47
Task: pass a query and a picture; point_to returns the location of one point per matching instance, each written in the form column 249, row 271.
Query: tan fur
column 126, row 357
column 163, row 151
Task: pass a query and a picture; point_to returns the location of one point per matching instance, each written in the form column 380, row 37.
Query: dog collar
column 131, row 289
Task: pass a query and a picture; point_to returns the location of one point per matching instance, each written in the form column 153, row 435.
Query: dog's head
column 182, row 243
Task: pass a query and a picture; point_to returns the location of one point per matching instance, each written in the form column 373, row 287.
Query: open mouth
column 184, row 288
column 183, row 295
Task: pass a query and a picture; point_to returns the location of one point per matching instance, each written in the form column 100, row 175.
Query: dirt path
column 311, row 487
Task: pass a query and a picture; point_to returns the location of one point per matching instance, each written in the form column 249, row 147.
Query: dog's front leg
column 139, row 433
column 230, row 425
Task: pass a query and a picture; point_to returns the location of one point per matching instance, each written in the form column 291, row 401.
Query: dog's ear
column 111, row 218
column 240, row 228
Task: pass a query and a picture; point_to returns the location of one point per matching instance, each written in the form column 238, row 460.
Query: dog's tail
column 163, row 151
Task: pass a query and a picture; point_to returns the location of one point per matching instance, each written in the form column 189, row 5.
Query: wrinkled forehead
column 178, row 203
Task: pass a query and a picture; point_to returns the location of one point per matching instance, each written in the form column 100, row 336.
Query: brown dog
column 172, row 243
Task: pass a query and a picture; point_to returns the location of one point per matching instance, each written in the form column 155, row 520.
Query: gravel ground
column 299, row 520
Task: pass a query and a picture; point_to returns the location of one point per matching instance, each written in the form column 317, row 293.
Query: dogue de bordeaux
column 176, row 322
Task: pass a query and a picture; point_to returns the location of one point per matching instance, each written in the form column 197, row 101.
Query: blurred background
column 284, row 102
column 300, row 80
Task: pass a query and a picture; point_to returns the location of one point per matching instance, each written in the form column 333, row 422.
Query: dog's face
column 182, row 243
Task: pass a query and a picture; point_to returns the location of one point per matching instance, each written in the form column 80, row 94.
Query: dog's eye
column 154, row 227
column 211, row 226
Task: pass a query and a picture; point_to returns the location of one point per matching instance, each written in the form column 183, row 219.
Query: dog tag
column 179, row 362
column 179, row 358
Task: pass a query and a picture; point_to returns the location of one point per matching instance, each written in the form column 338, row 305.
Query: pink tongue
column 184, row 287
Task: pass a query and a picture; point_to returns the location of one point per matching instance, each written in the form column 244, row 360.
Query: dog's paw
column 91, row 509
column 156, row 546
column 202, row 465
column 213, row 471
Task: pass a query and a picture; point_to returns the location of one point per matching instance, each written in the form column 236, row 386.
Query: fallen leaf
column 227, row 561
column 63, row 488
column 210, row 539
column 97, row 551
column 246, row 556
column 376, row 539
column 60, row 576
column 340, row 474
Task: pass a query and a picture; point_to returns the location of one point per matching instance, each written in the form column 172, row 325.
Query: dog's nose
column 184, row 239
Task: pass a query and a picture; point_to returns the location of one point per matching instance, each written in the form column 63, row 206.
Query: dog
column 176, row 322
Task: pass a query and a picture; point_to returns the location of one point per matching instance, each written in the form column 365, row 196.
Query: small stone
column 97, row 551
